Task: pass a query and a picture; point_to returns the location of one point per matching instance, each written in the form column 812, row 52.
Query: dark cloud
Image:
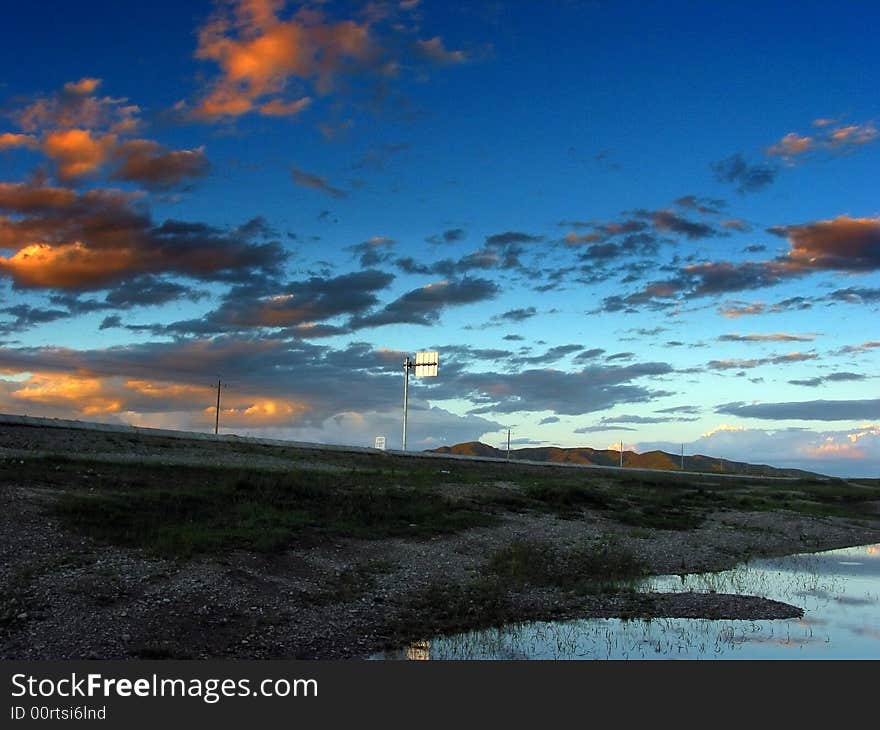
column 373, row 251
column 377, row 157
column 562, row 393
column 775, row 337
column 449, row 236
column 155, row 166
column 24, row 316
column 548, row 420
column 748, row 178
column 757, row 362
column 511, row 238
column 551, row 355
column 315, row 182
column 843, row 243
column 666, row 221
column 516, row 315
column 817, row 410
column 687, row 410
column 424, row 305
column 644, row 420
column 101, row 238
column 856, row 295
column 589, row 354
column 297, row 303
column 707, row 206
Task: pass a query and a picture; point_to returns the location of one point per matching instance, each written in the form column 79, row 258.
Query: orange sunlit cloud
column 263, row 58
column 8, row 141
column 841, row 238
column 84, row 395
column 278, row 108
column 77, row 152
column 258, row 53
column 259, row 414
column 836, row 450
column 790, row 145
column 70, row 265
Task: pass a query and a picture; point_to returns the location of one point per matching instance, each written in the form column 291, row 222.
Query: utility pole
column 508, row 444
column 682, row 457
column 217, row 414
column 621, row 454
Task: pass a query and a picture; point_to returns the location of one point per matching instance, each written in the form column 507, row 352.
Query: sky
column 648, row 223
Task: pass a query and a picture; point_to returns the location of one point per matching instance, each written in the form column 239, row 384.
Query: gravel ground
column 68, row 597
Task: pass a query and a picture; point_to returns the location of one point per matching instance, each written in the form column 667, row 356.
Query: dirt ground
column 66, row 596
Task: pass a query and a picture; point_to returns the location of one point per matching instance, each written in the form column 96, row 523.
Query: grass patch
column 185, row 511
column 586, row 568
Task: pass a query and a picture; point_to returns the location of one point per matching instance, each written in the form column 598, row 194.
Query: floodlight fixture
column 424, row 365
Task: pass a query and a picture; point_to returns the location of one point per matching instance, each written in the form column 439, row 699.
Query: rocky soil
column 65, row 596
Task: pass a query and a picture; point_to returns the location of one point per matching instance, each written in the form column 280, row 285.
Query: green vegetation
column 182, row 510
column 584, row 568
column 179, row 511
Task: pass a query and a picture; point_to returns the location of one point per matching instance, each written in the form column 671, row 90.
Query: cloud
column 77, row 152
column 296, row 303
column 451, row 235
column 308, row 180
column 279, row 108
column 551, row 355
column 853, row 134
column 757, row 362
column 562, row 393
column 268, row 63
column 283, row 389
column 841, row 243
column 100, row 238
column 790, row 145
column 425, row 304
column 516, row 315
column 845, row 453
column 644, row 420
column 373, row 251
column 509, row 238
column 775, row 337
column 833, row 378
column 856, row 295
column 434, row 50
column 155, row 166
column 817, row 410
column 76, row 107
column 9, row 140
column 863, row 347
column 747, row 177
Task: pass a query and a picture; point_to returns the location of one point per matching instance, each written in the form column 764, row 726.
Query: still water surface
column 839, row 591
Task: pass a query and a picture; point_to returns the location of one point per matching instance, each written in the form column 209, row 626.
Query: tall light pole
column 424, row 366
column 220, row 384
column 407, row 365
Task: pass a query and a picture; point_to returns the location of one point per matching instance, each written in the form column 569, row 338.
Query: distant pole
column 217, row 414
column 682, row 457
column 621, row 454
column 406, row 367
column 508, row 444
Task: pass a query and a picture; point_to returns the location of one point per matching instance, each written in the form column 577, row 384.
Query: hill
column 610, row 457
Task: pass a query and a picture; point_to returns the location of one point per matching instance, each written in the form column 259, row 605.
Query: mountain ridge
column 656, row 459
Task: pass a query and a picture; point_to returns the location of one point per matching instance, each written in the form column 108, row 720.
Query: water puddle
column 839, row 591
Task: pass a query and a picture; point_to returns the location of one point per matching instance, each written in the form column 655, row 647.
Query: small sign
column 426, row 364
column 380, row 442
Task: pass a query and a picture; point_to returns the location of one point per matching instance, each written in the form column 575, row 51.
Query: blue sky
column 655, row 223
